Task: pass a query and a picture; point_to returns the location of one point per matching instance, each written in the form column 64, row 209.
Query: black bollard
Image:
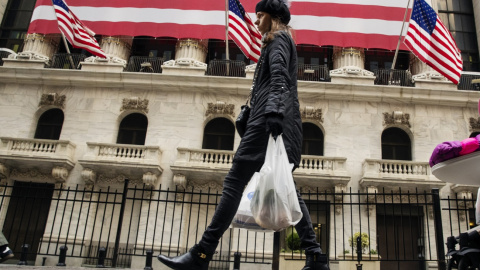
column 148, row 261
column 236, row 260
column 359, row 253
column 63, row 256
column 102, row 253
column 23, row 255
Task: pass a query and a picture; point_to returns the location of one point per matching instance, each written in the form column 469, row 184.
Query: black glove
column 274, row 124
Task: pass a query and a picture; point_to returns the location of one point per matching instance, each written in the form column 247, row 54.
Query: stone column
column 349, row 67
column 37, row 51
column 190, row 56
column 426, row 77
column 117, row 49
column 476, row 14
column 3, row 7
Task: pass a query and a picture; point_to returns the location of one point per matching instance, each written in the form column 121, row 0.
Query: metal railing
column 67, row 61
column 316, row 73
column 396, row 77
column 3, row 54
column 465, row 82
column 145, row 64
column 226, row 68
column 398, row 226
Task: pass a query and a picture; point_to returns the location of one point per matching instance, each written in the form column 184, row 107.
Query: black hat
column 276, row 8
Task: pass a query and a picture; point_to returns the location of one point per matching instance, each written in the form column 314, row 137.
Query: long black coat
column 275, row 91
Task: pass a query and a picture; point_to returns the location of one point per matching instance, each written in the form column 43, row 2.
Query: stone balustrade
column 397, row 168
column 394, row 174
column 204, row 158
column 123, row 152
column 37, row 148
column 321, row 164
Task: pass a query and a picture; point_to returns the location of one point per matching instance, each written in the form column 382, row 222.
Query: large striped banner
column 345, row 23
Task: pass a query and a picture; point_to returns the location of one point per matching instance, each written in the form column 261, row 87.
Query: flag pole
column 68, row 51
column 227, row 53
column 399, row 40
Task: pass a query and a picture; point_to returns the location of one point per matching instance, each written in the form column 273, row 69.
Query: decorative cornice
column 135, row 103
column 52, row 99
column 312, row 113
column 31, row 174
column 474, row 124
column 205, row 187
column 119, row 179
column 220, row 108
column 396, row 118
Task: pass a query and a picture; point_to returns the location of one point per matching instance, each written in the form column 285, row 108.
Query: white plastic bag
column 477, row 208
column 243, row 218
column 275, row 203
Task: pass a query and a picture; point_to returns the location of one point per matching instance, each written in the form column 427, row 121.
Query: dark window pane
column 133, row 129
column 396, row 145
column 312, row 140
column 219, row 134
column 49, row 125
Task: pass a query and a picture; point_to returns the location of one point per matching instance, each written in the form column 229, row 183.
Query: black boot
column 316, row 261
column 194, row 259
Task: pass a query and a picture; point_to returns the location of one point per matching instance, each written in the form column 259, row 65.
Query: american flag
column 432, row 43
column 75, row 31
column 242, row 30
column 344, row 23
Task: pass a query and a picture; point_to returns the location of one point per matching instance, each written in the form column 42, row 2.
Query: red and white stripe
column 357, row 23
column 245, row 35
column 76, row 32
column 438, row 50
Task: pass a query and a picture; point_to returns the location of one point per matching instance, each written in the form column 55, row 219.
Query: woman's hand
column 274, row 124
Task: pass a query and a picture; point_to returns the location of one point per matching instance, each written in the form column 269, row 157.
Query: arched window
column 133, row 129
column 219, row 134
column 49, row 125
column 396, row 144
column 312, row 140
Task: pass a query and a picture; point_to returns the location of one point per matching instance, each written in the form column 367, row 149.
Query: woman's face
column 263, row 22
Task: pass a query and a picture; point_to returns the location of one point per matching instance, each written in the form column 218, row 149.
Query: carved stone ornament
column 474, row 123
column 220, row 108
column 4, row 171
column 135, row 103
column 60, row 173
column 205, row 187
column 312, row 113
column 149, row 179
column 52, row 99
column 370, row 199
column 119, row 179
column 180, row 180
column 31, row 174
column 396, row 118
column 89, row 176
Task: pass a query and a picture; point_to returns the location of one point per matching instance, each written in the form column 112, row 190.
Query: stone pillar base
column 250, row 71
column 23, row 63
column 97, row 64
column 352, row 75
column 184, row 66
column 433, row 80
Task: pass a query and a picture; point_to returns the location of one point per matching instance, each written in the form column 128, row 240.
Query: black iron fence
column 67, row 60
column 145, row 64
column 317, row 73
column 397, row 230
column 466, row 83
column 396, row 77
column 226, row 68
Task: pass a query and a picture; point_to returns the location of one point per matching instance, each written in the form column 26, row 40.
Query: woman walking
column 274, row 110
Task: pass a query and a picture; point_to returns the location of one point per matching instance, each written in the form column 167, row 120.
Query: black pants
column 233, row 187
